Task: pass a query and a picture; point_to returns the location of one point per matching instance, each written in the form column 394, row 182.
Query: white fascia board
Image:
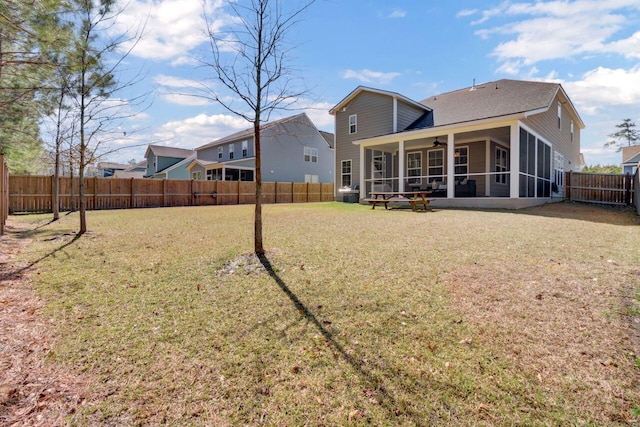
column 484, row 124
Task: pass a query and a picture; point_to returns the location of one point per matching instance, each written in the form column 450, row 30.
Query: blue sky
column 416, row 48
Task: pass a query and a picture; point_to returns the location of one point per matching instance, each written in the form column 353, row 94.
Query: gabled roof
column 631, row 154
column 496, row 99
column 183, row 162
column 164, row 151
column 328, row 136
column 248, row 133
column 357, row 91
column 200, row 162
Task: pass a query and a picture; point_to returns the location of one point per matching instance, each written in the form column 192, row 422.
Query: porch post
column 224, row 173
column 514, row 160
column 401, row 166
column 363, row 189
column 451, row 188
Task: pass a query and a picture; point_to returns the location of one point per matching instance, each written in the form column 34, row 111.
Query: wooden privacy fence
column 35, row 194
column 4, row 193
column 610, row 189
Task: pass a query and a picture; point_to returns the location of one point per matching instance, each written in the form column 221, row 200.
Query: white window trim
column 245, row 148
column 354, row 124
column 429, row 167
column 350, row 174
column 231, row 151
column 455, row 165
column 572, row 131
column 416, row 179
column 559, row 115
column 310, row 154
column 220, row 152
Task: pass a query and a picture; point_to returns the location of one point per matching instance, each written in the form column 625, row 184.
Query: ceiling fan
column 437, row 143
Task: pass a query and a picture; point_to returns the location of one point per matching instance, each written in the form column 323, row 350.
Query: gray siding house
column 167, row 162
column 292, row 149
column 630, row 159
column 504, row 144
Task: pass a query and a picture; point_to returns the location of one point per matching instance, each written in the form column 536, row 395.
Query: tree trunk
column 258, row 248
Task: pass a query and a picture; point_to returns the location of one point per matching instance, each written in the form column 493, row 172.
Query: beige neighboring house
column 630, row 159
column 500, row 144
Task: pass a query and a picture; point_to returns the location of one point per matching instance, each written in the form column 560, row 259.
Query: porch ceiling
column 501, row 134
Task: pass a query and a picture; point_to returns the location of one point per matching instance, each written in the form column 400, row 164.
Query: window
column 312, row 179
column 214, row 175
column 346, row 173
column 414, row 167
column 501, row 165
column 197, row 175
column 230, row 151
column 572, row 131
column 245, row 148
column 310, row 154
column 558, row 169
column 353, row 124
column 435, row 167
column 461, row 162
column 559, row 115
column 219, row 152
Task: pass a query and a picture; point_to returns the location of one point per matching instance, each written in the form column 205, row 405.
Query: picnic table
column 413, row 197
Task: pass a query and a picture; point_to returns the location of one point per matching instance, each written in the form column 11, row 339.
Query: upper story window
column 220, row 152
column 230, row 151
column 353, row 123
column 559, row 115
column 245, row 148
column 571, row 130
column 310, row 154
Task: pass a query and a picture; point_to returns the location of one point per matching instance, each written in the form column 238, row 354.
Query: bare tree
column 250, row 61
column 98, row 110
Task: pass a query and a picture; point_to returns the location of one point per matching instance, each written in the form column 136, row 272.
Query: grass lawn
column 462, row 317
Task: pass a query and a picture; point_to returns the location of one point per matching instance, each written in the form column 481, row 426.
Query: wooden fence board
column 4, row 193
column 34, row 193
column 610, row 189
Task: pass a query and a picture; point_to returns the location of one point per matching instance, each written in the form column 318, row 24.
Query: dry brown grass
column 364, row 317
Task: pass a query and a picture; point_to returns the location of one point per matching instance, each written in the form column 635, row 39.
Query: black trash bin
column 350, row 195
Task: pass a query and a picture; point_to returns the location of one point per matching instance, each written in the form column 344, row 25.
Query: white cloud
column 397, row 13
column 201, row 129
column 466, row 12
column 185, row 99
column 172, row 28
column 548, row 30
column 176, row 82
column 603, row 87
column 368, row 76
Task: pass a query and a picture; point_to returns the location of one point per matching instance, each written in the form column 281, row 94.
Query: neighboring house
column 292, row 150
column 133, row 171
column 167, row 162
column 630, row 159
column 505, row 144
column 105, row 169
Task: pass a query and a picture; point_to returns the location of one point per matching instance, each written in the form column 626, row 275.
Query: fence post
column 95, row 193
column 567, row 186
column 627, row 187
column 275, row 200
column 131, row 195
column 164, row 193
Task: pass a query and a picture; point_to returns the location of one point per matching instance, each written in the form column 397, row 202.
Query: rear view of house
column 292, row 149
column 499, row 144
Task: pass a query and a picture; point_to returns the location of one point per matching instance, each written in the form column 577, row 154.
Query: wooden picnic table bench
column 414, row 198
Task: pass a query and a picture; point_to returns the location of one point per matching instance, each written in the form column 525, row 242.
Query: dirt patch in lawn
column 32, row 391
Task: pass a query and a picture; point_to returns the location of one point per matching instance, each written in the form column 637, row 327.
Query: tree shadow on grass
column 387, row 401
column 16, row 273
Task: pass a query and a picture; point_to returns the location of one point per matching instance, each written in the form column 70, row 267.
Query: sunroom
column 496, row 165
column 216, row 171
